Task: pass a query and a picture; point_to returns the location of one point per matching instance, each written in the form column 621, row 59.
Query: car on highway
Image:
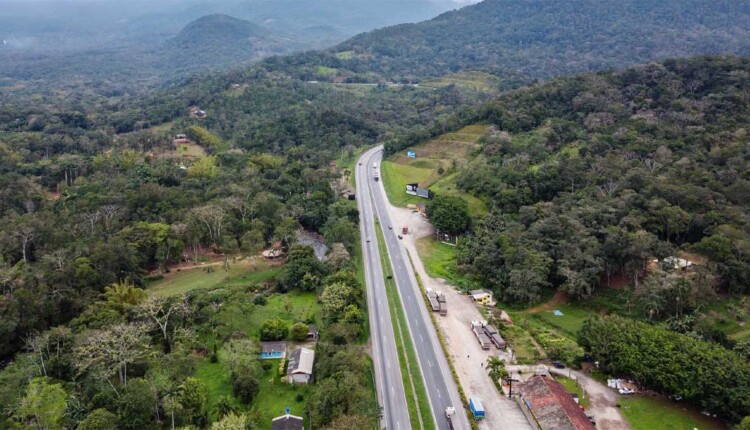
column 360, row 163
column 390, row 227
column 400, row 237
column 368, row 240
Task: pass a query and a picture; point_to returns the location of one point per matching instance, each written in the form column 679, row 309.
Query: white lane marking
column 429, row 362
column 421, row 338
column 439, row 395
column 388, row 362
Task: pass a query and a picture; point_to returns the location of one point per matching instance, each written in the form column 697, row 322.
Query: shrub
column 299, row 331
column 245, row 387
column 275, row 329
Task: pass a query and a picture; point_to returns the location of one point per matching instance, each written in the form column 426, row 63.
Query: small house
column 287, row 422
column 197, row 112
column 300, row 369
column 481, row 297
column 272, row 350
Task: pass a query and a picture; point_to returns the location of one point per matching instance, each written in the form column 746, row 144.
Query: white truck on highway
column 449, row 412
column 374, row 165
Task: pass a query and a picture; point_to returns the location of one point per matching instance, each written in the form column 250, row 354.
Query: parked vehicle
column 476, row 408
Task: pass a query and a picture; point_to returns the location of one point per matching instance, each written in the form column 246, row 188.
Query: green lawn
column 438, row 258
column 241, row 272
column 275, row 395
column 570, row 322
column 216, row 378
column 396, row 176
column 422, row 406
column 649, row 413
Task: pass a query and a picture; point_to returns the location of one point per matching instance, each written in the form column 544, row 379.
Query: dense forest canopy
column 543, row 38
column 595, row 175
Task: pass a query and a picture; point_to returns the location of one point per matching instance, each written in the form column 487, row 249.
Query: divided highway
column 440, row 386
column 388, row 380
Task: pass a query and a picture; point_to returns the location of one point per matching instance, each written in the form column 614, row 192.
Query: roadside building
column 481, row 297
column 287, row 422
column 300, row 369
column 552, row 405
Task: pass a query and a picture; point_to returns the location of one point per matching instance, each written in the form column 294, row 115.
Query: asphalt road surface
column 388, row 382
column 440, row 386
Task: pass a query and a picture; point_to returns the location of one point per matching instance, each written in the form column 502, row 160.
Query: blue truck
column 476, row 408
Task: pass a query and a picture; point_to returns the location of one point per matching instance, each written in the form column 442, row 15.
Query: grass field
column 730, row 316
column 648, row 413
column 345, row 55
column 216, row 378
column 275, row 395
column 245, row 271
column 570, row 322
column 438, row 258
column 435, row 167
column 396, row 176
column 325, row 71
column 477, row 81
column 410, row 372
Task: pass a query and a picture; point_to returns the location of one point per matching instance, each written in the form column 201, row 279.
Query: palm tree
column 496, row 367
column 122, row 295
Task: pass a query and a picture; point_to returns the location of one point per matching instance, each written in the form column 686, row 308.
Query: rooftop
column 552, row 405
column 273, row 346
column 287, row 422
column 301, row 361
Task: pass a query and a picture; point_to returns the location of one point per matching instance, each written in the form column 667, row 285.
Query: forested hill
column 593, row 176
column 219, row 40
column 544, row 38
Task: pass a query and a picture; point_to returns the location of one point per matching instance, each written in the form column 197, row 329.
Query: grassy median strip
column 416, row 400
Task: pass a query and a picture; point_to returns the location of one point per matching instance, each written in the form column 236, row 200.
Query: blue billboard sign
column 411, row 154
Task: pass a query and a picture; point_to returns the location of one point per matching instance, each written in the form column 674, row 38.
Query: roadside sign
column 411, row 154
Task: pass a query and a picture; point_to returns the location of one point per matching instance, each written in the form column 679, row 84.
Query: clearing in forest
column 435, row 166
